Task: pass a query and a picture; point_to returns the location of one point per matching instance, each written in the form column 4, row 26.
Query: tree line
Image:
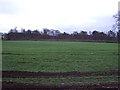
column 51, row 34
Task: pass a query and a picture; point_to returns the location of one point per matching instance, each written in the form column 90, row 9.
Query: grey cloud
column 8, row 7
column 103, row 24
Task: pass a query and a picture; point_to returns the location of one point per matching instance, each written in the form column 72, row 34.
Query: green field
column 51, row 56
column 59, row 56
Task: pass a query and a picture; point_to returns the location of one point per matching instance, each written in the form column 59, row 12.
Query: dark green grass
column 53, row 56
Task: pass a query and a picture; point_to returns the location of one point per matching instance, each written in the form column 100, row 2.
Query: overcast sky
column 63, row 15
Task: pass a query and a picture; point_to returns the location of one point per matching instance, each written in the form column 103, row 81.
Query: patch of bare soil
column 20, row 86
column 24, row 74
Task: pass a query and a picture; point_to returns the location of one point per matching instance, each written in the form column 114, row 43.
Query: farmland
column 60, row 57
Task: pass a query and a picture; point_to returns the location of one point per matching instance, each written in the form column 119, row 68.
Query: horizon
column 42, row 30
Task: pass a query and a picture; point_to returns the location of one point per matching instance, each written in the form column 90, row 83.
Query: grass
column 53, row 56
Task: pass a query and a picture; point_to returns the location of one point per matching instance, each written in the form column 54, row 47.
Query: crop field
column 59, row 62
